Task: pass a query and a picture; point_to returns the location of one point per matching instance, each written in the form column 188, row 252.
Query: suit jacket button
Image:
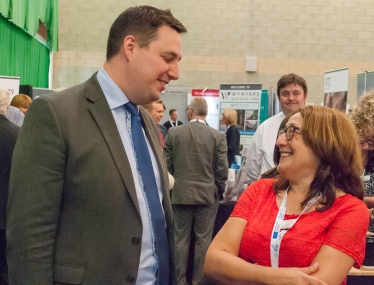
column 135, row 240
column 130, row 279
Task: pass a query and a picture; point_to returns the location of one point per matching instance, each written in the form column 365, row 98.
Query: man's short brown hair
column 291, row 78
column 143, row 23
column 149, row 106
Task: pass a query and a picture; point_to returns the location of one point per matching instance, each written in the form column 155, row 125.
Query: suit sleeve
column 35, row 193
column 168, row 152
column 220, row 168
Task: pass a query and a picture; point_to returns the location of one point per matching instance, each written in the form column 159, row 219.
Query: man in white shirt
column 292, row 93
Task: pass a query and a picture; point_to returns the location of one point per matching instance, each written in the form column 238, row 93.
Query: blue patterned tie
column 151, row 193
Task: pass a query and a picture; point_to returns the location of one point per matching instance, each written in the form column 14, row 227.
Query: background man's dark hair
column 142, row 22
column 149, row 106
column 172, row 111
column 291, row 78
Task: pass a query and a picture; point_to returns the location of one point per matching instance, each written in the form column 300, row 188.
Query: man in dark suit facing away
column 8, row 137
column 78, row 210
column 196, row 155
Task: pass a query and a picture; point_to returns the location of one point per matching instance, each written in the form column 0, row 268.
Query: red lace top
column 343, row 227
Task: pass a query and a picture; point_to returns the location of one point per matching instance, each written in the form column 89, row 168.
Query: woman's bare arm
column 223, row 264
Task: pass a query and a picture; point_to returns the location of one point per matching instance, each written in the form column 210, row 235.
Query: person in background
column 292, row 93
column 15, row 115
column 22, row 102
column 173, row 122
column 156, row 110
column 362, row 116
column 229, row 117
column 196, row 156
column 273, row 172
column 162, row 127
column 88, row 197
column 306, row 226
column 8, row 137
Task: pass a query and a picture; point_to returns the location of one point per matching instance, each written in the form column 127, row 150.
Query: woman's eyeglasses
column 289, row 131
column 368, row 141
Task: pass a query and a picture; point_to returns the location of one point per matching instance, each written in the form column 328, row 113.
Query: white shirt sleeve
column 254, row 156
column 261, row 148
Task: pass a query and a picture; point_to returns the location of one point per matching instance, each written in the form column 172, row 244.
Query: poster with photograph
column 336, row 89
column 246, row 100
column 247, row 117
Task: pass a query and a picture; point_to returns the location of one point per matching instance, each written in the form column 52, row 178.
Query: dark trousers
column 3, row 265
column 200, row 220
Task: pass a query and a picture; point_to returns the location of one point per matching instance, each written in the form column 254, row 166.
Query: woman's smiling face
column 296, row 159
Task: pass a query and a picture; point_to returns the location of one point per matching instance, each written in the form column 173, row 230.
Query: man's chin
column 292, row 110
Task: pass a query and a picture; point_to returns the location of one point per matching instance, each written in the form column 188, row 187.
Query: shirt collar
column 113, row 94
column 199, row 121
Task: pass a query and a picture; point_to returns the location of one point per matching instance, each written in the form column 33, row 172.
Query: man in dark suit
column 78, row 210
column 173, row 122
column 196, row 155
column 8, row 137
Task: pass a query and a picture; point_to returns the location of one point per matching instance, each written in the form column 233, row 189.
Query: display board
column 365, row 82
column 246, row 100
column 336, row 89
column 10, row 83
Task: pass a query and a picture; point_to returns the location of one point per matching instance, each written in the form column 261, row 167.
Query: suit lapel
column 103, row 117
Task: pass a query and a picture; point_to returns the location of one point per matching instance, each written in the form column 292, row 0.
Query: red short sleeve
column 347, row 232
column 255, row 195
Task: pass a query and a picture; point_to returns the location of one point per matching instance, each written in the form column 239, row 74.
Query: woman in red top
column 306, row 226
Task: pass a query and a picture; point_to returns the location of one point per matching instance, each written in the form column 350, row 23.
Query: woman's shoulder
column 255, row 197
column 233, row 128
column 349, row 203
column 263, row 187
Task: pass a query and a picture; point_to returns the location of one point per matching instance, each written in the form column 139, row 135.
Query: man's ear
column 305, row 98
column 129, row 43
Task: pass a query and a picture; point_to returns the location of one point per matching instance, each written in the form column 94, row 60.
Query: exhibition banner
column 212, row 98
column 11, row 84
column 336, row 89
column 246, row 100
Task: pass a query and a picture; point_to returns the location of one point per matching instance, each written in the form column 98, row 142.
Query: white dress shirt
column 116, row 99
column 261, row 148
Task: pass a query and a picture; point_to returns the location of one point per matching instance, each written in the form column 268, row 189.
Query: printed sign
column 336, row 89
column 11, row 84
column 246, row 100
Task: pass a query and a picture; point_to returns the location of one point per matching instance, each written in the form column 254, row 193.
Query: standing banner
column 336, row 89
column 212, row 98
column 246, row 100
column 11, row 84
